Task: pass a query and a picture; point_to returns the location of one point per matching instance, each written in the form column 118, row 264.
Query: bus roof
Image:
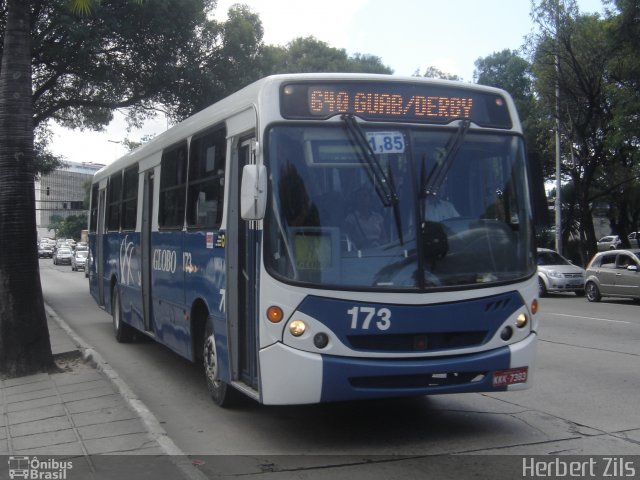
column 252, row 95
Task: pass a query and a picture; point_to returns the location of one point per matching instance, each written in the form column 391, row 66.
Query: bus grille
column 416, row 342
column 417, row 381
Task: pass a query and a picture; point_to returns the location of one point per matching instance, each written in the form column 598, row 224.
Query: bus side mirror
column 253, row 192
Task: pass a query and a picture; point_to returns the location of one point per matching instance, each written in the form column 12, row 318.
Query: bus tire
column 222, row 394
column 124, row 333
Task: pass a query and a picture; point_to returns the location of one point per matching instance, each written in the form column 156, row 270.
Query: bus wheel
column 123, row 332
column 222, row 393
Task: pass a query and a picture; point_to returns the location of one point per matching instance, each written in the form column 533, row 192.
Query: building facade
column 62, row 193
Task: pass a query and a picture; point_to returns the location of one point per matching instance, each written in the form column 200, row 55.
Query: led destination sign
column 394, row 102
column 329, row 102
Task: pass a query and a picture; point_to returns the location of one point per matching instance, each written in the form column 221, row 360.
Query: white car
column 610, row 242
column 557, row 274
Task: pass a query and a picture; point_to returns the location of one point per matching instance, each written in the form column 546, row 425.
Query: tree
column 582, row 47
column 308, row 54
column 623, row 90
column 24, row 337
column 435, row 72
column 511, row 72
column 127, row 55
column 56, row 225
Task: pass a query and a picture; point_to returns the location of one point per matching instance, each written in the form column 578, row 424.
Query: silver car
column 557, row 274
column 615, row 273
column 610, row 242
column 79, row 260
column 62, row 256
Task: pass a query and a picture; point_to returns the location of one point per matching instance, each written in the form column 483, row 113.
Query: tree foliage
column 592, row 60
column 308, row 54
column 435, row 72
column 68, row 227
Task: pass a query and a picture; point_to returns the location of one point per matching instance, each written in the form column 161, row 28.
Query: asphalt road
column 583, row 401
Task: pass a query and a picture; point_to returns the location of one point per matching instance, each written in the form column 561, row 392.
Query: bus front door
column 99, row 260
column 145, row 244
column 244, row 298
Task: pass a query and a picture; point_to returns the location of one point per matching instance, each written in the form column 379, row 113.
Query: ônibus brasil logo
column 32, row 468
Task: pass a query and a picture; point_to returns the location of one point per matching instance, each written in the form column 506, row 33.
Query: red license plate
column 503, row 378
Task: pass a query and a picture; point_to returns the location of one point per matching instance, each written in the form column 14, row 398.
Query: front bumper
column 565, row 284
column 292, row 376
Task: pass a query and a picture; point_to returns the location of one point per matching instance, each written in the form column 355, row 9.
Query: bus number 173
column 361, row 317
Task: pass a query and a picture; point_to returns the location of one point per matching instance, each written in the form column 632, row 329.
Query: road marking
column 590, row 318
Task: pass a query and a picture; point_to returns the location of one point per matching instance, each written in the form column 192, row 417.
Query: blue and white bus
column 326, row 237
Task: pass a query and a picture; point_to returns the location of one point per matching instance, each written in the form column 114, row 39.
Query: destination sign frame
column 393, row 101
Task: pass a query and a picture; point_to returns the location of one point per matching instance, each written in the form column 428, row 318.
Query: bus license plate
column 502, row 378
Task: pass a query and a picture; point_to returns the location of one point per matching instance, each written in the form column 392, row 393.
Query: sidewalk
column 85, row 414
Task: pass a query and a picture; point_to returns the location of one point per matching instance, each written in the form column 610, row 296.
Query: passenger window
column 207, row 163
column 114, row 196
column 623, row 261
column 130, row 198
column 172, row 186
column 93, row 222
column 608, row 261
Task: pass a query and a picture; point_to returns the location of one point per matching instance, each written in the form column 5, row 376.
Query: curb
column 155, row 430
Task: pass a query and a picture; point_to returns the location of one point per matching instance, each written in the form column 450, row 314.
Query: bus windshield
column 397, row 208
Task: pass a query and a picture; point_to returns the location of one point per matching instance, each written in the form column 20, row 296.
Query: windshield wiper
column 383, row 187
column 432, row 184
column 382, row 183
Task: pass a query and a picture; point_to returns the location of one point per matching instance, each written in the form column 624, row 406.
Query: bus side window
column 114, row 198
column 172, row 186
column 207, row 163
column 129, row 198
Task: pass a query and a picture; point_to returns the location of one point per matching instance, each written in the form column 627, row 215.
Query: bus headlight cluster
column 297, row 327
column 522, row 320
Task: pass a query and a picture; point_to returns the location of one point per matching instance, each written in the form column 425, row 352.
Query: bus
column 327, row 237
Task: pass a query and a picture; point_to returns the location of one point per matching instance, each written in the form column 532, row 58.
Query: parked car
column 79, row 260
column 610, row 242
column 63, row 256
column 557, row 274
column 634, row 239
column 45, row 251
column 614, row 273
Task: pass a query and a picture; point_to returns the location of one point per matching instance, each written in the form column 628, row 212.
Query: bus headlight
column 522, row 320
column 297, row 328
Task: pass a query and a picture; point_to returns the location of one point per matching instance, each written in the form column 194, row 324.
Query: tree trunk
column 24, row 337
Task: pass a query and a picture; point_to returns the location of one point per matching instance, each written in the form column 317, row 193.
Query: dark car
column 79, row 260
column 615, row 273
column 63, row 256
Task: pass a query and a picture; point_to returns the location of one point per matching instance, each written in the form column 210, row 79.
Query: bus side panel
column 111, row 272
column 170, row 315
column 205, row 279
column 130, row 280
column 91, row 269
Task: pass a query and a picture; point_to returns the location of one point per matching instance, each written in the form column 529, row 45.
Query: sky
column 407, row 35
